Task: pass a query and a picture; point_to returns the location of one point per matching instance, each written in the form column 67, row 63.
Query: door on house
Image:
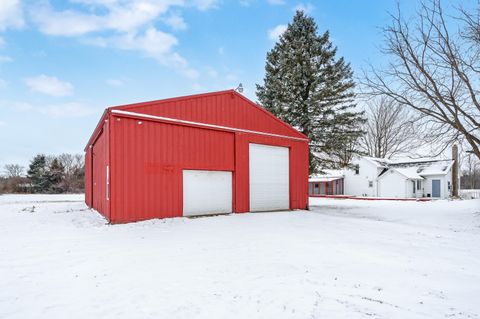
column 435, row 188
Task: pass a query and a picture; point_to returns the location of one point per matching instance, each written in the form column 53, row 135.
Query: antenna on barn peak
column 239, row 88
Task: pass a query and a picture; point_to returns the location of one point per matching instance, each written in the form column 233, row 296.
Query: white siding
column 444, row 179
column 394, row 185
column 357, row 185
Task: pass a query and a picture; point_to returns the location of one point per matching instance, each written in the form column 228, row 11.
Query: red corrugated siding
column 225, row 108
column 88, row 177
column 298, row 169
column 146, row 160
column 99, row 164
column 147, row 163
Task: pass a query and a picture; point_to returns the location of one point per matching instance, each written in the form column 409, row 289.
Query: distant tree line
column 46, row 174
column 470, row 178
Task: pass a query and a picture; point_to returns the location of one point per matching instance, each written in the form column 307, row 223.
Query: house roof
column 379, row 162
column 408, row 172
column 413, row 168
column 328, row 176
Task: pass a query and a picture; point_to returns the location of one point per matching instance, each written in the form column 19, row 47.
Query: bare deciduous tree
column 434, row 70
column 390, row 130
column 72, row 164
column 13, row 170
column 471, row 173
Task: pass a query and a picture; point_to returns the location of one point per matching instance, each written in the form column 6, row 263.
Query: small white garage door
column 206, row 192
column 269, row 178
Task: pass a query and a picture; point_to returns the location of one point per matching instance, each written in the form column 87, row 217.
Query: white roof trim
column 324, row 179
column 219, row 127
column 393, row 170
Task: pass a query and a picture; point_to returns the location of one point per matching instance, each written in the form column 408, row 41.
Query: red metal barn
column 202, row 154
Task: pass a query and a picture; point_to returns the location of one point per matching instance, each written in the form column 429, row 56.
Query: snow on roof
column 381, row 162
column 414, row 168
column 323, row 179
column 330, row 175
column 408, row 172
column 435, row 168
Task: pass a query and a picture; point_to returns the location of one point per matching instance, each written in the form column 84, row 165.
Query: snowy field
column 344, row 259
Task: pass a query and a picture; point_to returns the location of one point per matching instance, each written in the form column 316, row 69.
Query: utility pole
column 455, row 171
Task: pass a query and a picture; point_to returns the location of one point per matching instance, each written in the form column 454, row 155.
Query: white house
column 375, row 177
column 378, row 177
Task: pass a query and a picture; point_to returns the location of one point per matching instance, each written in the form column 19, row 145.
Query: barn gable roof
column 223, row 108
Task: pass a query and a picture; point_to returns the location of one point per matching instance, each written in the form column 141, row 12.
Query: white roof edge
column 324, row 179
column 373, row 161
column 399, row 172
column 213, row 126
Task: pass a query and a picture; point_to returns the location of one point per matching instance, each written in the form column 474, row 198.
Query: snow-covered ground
column 344, row 259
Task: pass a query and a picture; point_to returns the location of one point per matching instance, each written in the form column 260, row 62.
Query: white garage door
column 269, row 178
column 206, row 192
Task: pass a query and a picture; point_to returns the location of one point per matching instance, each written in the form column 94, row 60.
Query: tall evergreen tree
column 55, row 176
column 37, row 174
column 306, row 86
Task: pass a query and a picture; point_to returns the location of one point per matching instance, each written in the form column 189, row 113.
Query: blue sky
column 63, row 62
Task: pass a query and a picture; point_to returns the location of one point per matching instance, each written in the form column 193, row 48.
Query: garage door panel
column 206, row 192
column 269, row 177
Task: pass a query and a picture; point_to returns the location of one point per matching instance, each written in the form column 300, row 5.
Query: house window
column 448, row 185
column 315, row 191
column 413, row 183
column 357, row 169
column 419, row 185
column 370, row 183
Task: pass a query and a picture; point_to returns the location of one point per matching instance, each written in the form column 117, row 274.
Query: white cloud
column 305, row 7
column 5, row 58
column 125, row 25
column 119, row 16
column 176, row 22
column 63, row 110
column 276, row 32
column 115, row 82
column 11, row 15
column 49, row 85
column 65, row 23
column 276, row 2
column 72, row 109
column 152, row 43
column 126, row 16
column 204, row 4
